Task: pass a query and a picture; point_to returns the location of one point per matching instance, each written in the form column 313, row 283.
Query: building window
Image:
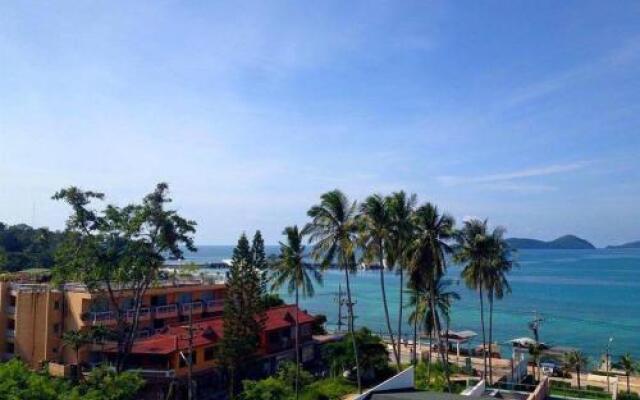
column 12, row 301
column 11, row 324
column 54, row 350
column 9, row 348
column 56, row 328
column 185, row 298
column 208, row 353
column 56, row 305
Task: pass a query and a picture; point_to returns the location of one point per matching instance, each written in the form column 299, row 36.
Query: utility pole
column 608, row 363
column 535, row 326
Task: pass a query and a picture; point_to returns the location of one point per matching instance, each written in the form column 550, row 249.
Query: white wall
column 403, row 380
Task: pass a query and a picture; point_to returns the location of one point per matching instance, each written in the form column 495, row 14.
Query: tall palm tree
column 333, row 230
column 629, row 366
column 535, row 351
column 424, row 315
column 472, row 249
column 427, row 263
column 401, row 208
column 290, row 270
column 497, row 285
column 76, row 340
column 375, row 232
column 577, row 361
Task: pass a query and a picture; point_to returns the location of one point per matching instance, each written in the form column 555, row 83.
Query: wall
column 475, row 391
column 403, row 380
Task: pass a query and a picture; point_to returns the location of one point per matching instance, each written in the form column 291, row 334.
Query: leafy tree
column 629, row 367
column 333, row 231
column 293, row 376
column 76, row 340
column 271, row 300
column 23, row 247
column 243, row 313
column 293, row 272
column 120, row 248
column 375, row 233
column 427, row 263
column 105, row 384
column 401, row 208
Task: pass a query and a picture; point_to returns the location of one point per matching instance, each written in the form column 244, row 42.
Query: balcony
column 145, row 314
column 168, row 311
column 100, row 318
column 11, row 310
column 195, row 307
column 215, row 305
column 10, row 333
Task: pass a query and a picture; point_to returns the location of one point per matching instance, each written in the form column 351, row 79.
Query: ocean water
column 584, row 297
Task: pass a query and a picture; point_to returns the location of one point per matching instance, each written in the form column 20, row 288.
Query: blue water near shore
column 584, row 296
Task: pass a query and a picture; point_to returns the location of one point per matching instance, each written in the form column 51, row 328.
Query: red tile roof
column 207, row 332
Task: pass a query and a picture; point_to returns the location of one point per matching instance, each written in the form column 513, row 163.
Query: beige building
column 34, row 316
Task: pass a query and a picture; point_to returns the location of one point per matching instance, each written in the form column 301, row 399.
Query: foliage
column 271, row 388
column 272, row 300
column 432, row 377
column 287, row 374
column 243, row 313
column 374, row 356
column 120, row 247
column 328, row 389
column 318, row 325
column 18, row 382
column 576, row 360
column 22, row 247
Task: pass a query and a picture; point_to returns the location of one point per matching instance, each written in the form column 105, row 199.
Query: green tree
column 424, row 315
column 375, row 232
column 243, row 315
column 333, row 231
column 372, row 352
column 535, row 351
column 76, row 340
column 427, row 263
column 629, row 367
column 295, row 274
column 271, row 388
column 259, row 259
column 120, row 247
column 401, row 208
column 105, row 384
column 500, row 264
column 472, row 250
column 575, row 361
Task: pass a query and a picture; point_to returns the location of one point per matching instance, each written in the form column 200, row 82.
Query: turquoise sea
column 584, row 296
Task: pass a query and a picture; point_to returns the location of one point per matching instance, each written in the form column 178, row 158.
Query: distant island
column 630, row 245
column 567, row 242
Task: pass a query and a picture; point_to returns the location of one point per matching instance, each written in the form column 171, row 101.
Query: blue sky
column 527, row 113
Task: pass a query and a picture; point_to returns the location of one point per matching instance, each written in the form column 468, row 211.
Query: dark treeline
column 23, row 247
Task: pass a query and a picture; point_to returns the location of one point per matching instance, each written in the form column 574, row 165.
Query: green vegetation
column 282, row 386
column 18, row 382
column 243, row 311
column 433, row 377
column 296, row 275
column 23, row 247
column 576, row 361
column 629, row 366
column 564, row 389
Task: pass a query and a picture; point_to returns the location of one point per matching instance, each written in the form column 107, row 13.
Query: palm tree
column 472, row 250
column 497, row 285
column 427, row 317
column 375, row 232
column 293, row 272
column 333, row 231
column 576, row 360
column 427, row 263
column 401, row 207
column 629, row 366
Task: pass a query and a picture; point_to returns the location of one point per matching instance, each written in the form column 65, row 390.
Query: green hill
column 630, row 245
column 564, row 242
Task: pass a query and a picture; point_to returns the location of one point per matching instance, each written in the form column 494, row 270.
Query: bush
column 267, row 389
column 595, row 388
column 628, row 396
column 561, row 384
column 328, row 389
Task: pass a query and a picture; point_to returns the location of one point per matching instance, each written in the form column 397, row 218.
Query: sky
column 523, row 112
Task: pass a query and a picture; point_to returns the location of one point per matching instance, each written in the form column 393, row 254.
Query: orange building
column 34, row 316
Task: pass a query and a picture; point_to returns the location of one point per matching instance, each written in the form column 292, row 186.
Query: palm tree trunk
column 628, row 387
column 429, row 360
column 484, row 339
column 400, row 311
column 434, row 313
column 490, row 336
column 297, row 346
column 351, row 328
column 578, row 376
column 415, row 336
column 396, row 349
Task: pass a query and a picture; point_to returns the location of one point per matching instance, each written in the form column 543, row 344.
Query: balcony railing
column 100, row 317
column 145, row 313
column 170, row 310
column 215, row 305
column 195, row 307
